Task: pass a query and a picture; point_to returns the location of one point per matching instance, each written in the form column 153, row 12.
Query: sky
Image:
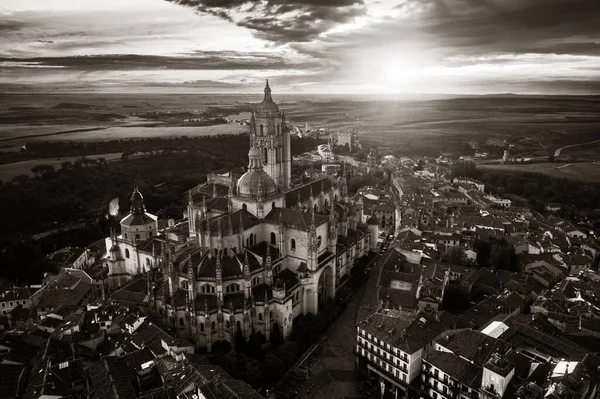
column 302, row 46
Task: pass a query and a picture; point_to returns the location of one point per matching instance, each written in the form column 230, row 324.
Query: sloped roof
column 247, row 219
column 295, row 218
column 291, row 196
column 138, row 219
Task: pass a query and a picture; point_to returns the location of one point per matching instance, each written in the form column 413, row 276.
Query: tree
column 240, row 341
column 455, row 256
column 502, row 256
column 276, row 338
column 456, row 298
column 288, row 352
column 274, row 368
column 254, row 373
column 41, row 170
column 255, row 343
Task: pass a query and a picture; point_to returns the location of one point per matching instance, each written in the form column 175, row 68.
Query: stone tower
column 269, row 133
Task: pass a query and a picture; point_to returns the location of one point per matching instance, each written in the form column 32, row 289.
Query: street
column 333, row 371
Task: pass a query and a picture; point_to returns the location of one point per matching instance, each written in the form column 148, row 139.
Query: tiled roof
column 456, row 367
column 135, row 292
column 17, row 293
column 405, row 333
column 470, row 344
column 110, row 378
column 231, row 266
column 247, row 219
column 138, row 220
column 295, row 218
column 291, row 196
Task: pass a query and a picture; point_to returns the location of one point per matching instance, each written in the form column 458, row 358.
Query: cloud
column 282, row 21
column 199, row 60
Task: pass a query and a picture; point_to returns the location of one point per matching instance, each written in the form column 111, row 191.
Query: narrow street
column 333, row 371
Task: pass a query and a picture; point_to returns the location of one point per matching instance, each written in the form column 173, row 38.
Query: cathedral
column 257, row 252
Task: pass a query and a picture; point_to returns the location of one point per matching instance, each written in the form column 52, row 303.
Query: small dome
column 250, row 181
column 267, row 106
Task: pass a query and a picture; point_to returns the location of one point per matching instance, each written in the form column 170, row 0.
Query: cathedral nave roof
column 295, row 218
column 248, row 220
column 207, row 190
column 291, row 196
column 231, row 266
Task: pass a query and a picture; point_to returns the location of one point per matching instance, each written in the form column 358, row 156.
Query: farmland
column 582, row 171
column 535, row 125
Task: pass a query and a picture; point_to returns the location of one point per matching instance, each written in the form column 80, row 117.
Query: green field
column 583, row 171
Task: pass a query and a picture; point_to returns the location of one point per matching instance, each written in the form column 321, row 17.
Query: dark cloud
column 506, row 26
column 200, row 60
column 267, row 20
column 7, row 25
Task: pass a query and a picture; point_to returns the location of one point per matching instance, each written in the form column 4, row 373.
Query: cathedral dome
column 252, row 181
column 256, row 180
column 267, row 105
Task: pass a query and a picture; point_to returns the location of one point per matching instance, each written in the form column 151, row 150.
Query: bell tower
column 269, row 133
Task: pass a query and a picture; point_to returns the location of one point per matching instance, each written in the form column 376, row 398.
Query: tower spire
column 267, row 92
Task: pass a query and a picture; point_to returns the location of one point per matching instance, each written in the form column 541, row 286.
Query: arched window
column 225, row 251
column 265, row 157
column 260, row 317
column 271, row 315
column 244, row 207
column 212, row 325
column 319, row 241
column 216, row 251
column 208, row 289
column 137, row 236
column 127, row 253
column 273, row 239
column 201, row 327
column 335, row 198
column 228, row 325
column 181, row 321
column 150, row 234
column 261, row 129
column 125, row 235
column 147, row 261
column 256, row 281
column 238, row 325
column 233, row 287
column 316, row 208
column 293, row 244
column 160, row 311
column 278, row 129
column 326, row 203
column 273, row 205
